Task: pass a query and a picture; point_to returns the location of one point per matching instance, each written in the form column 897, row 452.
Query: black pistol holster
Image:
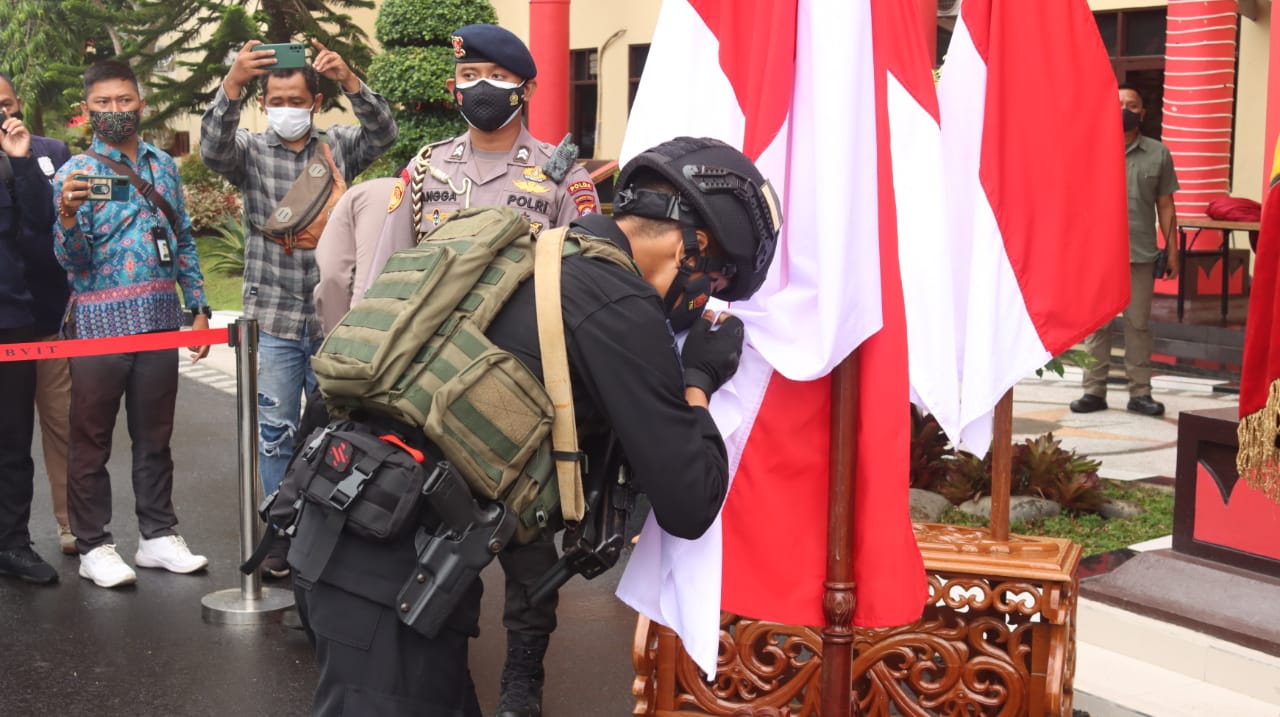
column 453, row 552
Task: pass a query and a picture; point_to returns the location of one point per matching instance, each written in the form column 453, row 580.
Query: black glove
column 710, row 357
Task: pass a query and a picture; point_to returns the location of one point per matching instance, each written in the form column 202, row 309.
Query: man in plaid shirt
column 278, row 284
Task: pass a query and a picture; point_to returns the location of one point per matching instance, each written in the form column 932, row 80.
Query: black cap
column 719, row 190
column 490, row 43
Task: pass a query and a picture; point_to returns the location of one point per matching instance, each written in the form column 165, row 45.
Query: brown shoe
column 66, row 540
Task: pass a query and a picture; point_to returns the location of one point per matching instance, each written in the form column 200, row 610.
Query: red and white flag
column 1036, row 193
column 814, row 91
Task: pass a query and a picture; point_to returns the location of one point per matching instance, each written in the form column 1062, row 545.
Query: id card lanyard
column 161, row 231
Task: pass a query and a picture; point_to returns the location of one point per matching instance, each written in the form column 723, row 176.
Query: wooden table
column 1187, row 249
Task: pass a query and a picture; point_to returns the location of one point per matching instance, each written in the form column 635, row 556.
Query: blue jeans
column 284, row 372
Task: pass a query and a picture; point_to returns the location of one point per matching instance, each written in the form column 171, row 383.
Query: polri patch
column 579, row 187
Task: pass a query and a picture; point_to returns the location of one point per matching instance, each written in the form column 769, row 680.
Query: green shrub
column 417, row 23
column 414, row 76
column 226, row 246
column 1040, row 467
column 207, row 205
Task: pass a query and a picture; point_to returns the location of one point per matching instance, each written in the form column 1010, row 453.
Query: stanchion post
column 251, row 604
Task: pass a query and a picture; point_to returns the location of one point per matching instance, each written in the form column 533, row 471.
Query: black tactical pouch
column 374, row 479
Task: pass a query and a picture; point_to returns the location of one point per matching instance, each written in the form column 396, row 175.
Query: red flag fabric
column 835, row 282
column 1258, row 457
column 1035, row 186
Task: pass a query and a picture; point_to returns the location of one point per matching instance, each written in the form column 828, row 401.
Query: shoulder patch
column 582, row 186
column 397, row 196
column 586, row 204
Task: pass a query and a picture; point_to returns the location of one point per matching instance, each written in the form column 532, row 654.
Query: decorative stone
column 927, row 506
column 1120, row 509
column 1021, row 508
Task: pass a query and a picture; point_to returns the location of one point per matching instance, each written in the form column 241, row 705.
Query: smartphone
column 289, row 55
column 3, row 116
column 107, row 187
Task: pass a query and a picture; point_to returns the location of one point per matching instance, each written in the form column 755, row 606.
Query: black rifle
column 594, row 544
column 452, row 554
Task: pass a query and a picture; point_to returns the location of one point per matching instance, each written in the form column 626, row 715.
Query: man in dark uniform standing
column 47, row 281
column 496, row 163
column 698, row 220
column 26, row 210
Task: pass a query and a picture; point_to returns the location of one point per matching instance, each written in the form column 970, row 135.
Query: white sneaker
column 169, row 552
column 105, row 568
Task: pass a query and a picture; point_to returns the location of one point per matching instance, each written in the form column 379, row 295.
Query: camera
column 107, row 187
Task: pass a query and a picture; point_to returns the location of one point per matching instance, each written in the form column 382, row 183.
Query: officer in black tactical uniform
column 699, row 221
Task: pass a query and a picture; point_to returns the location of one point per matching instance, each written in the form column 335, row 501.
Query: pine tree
column 160, row 34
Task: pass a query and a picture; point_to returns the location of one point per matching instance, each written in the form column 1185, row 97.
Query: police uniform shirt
column 518, row 183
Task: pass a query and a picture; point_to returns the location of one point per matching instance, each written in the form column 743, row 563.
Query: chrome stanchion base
column 229, row 607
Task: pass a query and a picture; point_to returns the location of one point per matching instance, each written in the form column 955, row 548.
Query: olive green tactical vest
column 414, row 349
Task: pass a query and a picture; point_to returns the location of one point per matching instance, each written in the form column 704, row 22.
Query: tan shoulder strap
column 555, row 371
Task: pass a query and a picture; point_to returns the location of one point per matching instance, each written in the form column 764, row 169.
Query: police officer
column 496, row 163
column 699, row 221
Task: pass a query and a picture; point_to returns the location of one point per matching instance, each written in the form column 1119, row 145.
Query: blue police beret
column 490, row 43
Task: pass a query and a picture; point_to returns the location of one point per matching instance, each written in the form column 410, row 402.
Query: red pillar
column 1273, row 106
column 1199, row 107
column 549, row 43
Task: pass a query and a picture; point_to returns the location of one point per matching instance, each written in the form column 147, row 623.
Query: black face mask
column 686, row 300
column 488, row 107
column 1132, row 120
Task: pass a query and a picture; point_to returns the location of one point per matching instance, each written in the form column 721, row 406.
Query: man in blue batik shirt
column 123, row 258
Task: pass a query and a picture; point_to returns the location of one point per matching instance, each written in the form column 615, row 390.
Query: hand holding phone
column 107, row 187
column 289, row 55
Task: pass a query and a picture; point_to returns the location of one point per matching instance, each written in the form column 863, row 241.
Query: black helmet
column 719, row 190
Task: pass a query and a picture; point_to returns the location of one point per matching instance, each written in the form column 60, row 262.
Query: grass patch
column 221, row 289
column 1095, row 533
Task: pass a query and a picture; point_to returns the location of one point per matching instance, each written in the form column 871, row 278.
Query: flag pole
column 1001, row 466
column 839, row 599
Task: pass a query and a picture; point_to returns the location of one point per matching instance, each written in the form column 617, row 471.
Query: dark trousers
column 148, row 381
column 373, row 664
column 17, row 422
column 524, row 566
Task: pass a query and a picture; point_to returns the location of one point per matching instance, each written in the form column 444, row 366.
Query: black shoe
column 22, row 562
column 1088, row 403
column 276, row 564
column 1146, row 405
column 520, row 690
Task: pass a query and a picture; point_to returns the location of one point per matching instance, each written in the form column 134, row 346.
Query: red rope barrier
column 38, row 350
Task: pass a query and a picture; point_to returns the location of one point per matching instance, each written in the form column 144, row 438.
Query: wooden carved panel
column 988, row 643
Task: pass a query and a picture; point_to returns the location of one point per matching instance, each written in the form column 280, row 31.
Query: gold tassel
column 1258, row 458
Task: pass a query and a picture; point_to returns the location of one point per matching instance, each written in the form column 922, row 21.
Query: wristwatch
column 197, row 310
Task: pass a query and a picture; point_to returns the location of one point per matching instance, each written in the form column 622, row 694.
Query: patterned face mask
column 115, row 127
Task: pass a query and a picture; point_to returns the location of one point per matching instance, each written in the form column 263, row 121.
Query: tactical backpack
column 414, row 350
